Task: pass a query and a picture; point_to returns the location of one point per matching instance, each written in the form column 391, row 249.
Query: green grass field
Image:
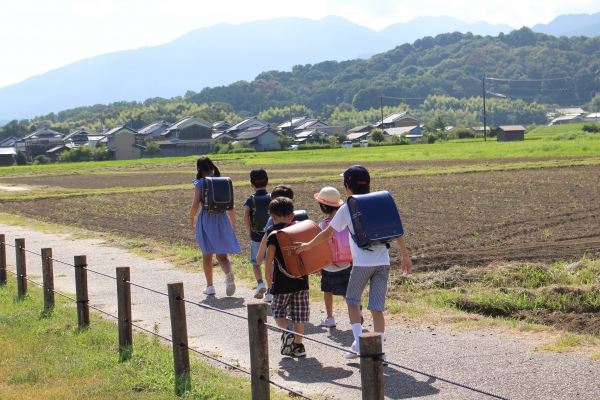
column 45, row 355
column 538, row 143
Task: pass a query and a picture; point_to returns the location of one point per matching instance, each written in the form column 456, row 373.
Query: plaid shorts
column 298, row 302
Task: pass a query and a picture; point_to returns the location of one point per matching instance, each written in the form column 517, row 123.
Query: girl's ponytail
column 205, row 164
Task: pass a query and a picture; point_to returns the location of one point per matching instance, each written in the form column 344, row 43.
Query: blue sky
column 40, row 35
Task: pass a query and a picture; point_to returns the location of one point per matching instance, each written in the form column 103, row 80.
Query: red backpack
column 339, row 243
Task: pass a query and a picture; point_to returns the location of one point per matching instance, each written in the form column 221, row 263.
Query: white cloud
column 38, row 35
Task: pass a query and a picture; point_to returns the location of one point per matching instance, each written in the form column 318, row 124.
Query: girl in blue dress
column 215, row 231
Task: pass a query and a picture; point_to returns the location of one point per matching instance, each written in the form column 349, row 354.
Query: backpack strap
column 281, row 269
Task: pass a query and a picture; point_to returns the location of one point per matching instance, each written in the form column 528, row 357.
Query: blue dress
column 213, row 230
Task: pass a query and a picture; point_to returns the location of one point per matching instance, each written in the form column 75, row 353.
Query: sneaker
column 353, row 353
column 329, row 322
column 260, row 291
column 268, row 297
column 298, row 350
column 210, row 290
column 287, row 343
column 229, row 284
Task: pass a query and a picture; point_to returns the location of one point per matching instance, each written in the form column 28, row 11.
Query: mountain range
column 224, row 53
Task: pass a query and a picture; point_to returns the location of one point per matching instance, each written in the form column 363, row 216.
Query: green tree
column 21, row 159
column 377, row 135
column 41, row 160
column 284, row 141
column 333, row 141
column 341, row 136
column 152, row 147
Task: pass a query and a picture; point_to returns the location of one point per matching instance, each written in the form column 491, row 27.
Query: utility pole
column 484, row 121
column 381, row 107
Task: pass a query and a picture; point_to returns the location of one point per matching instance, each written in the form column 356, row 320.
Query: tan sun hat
column 329, row 196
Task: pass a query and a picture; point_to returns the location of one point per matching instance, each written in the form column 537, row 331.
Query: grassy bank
column 44, row 355
column 538, row 143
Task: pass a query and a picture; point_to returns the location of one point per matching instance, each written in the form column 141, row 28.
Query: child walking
column 369, row 266
column 256, row 214
column 286, row 291
column 334, row 277
column 215, row 231
column 278, row 191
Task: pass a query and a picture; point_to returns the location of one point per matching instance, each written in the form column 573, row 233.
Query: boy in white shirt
column 371, row 265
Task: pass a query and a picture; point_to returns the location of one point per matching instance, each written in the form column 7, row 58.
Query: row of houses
column 193, row 135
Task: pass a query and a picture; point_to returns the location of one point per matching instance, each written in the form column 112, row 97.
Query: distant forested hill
column 450, row 64
column 434, row 76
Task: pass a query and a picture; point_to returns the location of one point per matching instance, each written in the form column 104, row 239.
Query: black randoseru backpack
column 218, row 194
column 375, row 218
column 259, row 213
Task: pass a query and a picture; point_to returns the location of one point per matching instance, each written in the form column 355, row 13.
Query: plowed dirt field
column 541, row 215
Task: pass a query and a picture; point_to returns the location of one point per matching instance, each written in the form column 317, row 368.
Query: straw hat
column 329, row 196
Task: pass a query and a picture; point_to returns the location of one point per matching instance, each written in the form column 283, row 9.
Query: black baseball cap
column 358, row 174
column 258, row 177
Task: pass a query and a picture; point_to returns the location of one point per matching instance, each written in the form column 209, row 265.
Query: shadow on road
column 224, row 303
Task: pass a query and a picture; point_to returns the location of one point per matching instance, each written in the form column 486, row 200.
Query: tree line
column 431, row 78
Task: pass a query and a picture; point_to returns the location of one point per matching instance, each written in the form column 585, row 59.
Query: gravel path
column 504, row 365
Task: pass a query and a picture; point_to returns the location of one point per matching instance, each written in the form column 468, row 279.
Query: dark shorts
column 335, row 282
column 298, row 302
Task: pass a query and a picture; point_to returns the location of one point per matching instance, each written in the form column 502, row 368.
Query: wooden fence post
column 81, row 290
column 259, row 350
column 21, row 267
column 48, row 276
column 181, row 354
column 2, row 259
column 124, row 306
column 371, row 368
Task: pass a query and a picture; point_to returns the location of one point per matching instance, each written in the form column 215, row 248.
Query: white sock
column 382, row 341
column 356, row 330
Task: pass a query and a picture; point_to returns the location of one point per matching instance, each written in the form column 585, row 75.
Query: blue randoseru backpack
column 375, row 218
column 218, row 194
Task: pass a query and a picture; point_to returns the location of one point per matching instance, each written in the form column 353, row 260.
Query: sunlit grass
column 45, row 355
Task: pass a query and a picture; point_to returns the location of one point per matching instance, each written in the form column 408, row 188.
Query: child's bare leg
column 354, row 314
column 328, row 296
column 257, row 272
column 208, row 269
column 281, row 323
column 378, row 321
column 298, row 328
column 224, row 262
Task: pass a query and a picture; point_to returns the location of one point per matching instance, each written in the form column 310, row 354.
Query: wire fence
column 238, row 316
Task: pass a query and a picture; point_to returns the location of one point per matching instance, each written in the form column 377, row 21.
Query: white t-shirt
column 335, row 267
column 361, row 258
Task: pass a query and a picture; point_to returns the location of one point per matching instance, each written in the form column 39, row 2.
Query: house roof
column 150, row 128
column 182, row 123
column 254, row 132
column 570, row 110
column 590, row 115
column 56, row 149
column 393, row 117
column 357, row 135
column 119, row 128
column 512, row 128
column 44, row 132
column 399, row 131
column 7, row 151
column 295, row 122
column 566, row 118
column 9, row 141
column 309, row 123
column 82, row 132
column 247, row 122
column 304, row 134
column 359, row 128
